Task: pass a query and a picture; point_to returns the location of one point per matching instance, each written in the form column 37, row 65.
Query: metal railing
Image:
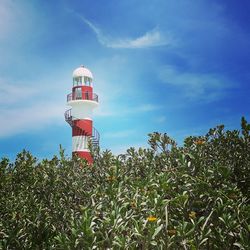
column 68, row 117
column 95, row 134
column 82, row 96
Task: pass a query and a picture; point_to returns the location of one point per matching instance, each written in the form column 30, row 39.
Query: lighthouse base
column 85, row 155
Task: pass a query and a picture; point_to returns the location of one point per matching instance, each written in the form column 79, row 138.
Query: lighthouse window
column 77, row 81
column 87, row 81
column 78, row 93
column 81, row 80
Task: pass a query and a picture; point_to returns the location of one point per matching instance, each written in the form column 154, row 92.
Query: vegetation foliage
column 165, row 197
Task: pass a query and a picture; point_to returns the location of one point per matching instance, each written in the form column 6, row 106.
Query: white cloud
column 103, row 112
column 119, row 134
column 6, row 20
column 15, row 20
column 19, row 120
column 10, row 93
column 206, row 87
column 160, row 119
column 128, row 110
column 145, row 108
column 26, row 106
column 152, row 38
column 121, row 149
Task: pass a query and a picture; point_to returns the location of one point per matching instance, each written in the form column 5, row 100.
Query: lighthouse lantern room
column 82, row 101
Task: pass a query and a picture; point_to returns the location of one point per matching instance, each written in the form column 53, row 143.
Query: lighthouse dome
column 82, row 72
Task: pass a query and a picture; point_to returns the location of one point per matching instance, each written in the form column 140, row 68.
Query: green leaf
column 157, row 230
column 237, row 244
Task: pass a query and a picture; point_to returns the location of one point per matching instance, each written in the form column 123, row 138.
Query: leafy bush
column 164, row 197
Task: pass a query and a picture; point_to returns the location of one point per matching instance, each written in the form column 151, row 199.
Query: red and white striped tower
column 82, row 101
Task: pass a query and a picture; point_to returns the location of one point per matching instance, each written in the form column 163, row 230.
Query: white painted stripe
column 80, row 143
column 83, row 109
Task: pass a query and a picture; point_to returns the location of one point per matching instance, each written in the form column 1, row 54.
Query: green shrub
column 164, row 197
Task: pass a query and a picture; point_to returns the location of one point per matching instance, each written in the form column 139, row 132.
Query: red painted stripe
column 87, row 92
column 82, row 127
column 84, row 88
column 84, row 155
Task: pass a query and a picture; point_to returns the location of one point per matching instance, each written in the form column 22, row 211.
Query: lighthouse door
column 87, row 95
column 78, row 93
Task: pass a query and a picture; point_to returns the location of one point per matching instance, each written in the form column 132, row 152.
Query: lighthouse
column 82, row 101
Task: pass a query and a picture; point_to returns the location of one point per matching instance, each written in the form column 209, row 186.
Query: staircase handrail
column 69, row 118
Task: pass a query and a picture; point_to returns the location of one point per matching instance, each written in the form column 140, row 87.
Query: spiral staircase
column 95, row 137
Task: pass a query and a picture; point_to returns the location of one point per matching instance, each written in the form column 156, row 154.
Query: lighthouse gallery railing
column 82, row 96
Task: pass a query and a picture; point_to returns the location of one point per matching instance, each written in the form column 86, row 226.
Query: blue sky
column 179, row 67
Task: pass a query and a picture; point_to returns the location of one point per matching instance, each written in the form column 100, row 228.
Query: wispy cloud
column 105, row 111
column 195, row 86
column 119, row 134
column 10, row 93
column 145, row 108
column 152, row 38
column 114, row 110
column 20, row 120
column 6, row 13
column 121, row 149
column 160, row 119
